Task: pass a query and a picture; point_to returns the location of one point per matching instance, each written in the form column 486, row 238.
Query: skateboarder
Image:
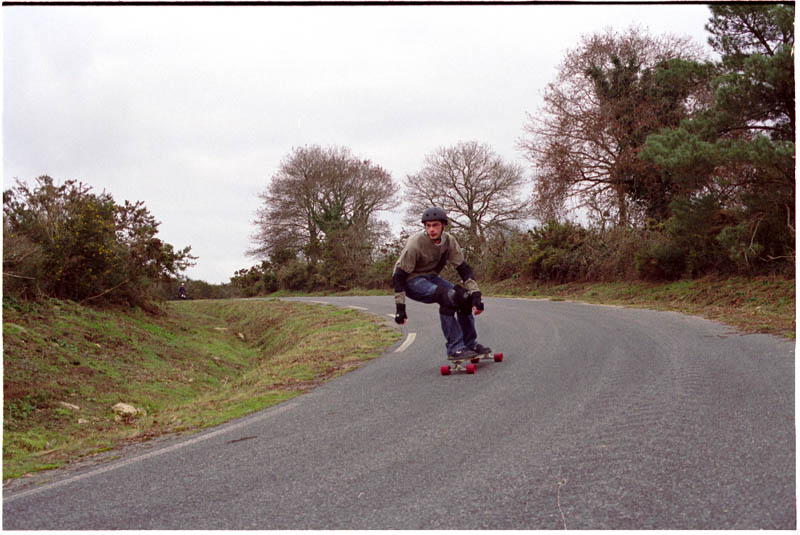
column 416, row 274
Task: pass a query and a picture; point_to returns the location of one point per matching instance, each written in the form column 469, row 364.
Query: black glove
column 476, row 300
column 400, row 316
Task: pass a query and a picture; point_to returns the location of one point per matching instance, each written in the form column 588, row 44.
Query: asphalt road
column 599, row 417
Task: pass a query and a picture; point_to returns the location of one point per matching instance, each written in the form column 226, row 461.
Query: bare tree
column 610, row 93
column 316, row 195
column 479, row 191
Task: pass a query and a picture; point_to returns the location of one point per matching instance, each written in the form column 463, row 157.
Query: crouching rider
column 416, row 275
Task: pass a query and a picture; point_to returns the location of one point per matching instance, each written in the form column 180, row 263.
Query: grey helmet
column 434, row 214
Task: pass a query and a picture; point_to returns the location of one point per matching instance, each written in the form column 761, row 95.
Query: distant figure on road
column 182, row 292
column 416, row 274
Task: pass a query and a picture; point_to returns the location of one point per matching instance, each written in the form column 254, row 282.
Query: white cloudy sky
column 191, row 109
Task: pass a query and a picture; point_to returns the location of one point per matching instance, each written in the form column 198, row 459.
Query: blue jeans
column 459, row 330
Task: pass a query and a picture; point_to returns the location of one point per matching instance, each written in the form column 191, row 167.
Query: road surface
column 599, row 418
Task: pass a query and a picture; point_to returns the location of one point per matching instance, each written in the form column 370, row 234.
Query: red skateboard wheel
column 445, row 370
column 471, row 368
column 498, row 357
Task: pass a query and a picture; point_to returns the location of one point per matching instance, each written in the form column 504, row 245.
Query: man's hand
column 400, row 316
column 477, row 304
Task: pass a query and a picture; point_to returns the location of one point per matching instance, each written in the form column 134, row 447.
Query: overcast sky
column 192, row 109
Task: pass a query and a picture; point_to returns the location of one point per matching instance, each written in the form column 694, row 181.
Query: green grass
column 199, row 364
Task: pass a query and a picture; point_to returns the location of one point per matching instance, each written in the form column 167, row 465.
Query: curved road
column 599, row 417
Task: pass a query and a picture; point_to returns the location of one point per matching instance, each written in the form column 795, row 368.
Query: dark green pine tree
column 740, row 151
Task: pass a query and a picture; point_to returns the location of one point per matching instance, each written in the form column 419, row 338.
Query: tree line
column 649, row 160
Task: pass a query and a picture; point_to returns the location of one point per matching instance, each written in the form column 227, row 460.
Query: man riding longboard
column 416, row 275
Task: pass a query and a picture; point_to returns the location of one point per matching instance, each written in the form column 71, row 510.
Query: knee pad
column 447, row 301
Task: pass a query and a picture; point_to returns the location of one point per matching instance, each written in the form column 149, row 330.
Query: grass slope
column 760, row 305
column 200, row 364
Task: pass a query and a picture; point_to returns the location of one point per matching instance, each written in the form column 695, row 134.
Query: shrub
column 558, row 253
column 661, row 262
column 758, row 247
column 270, row 282
column 694, row 227
column 256, row 280
column 379, row 273
column 295, row 275
column 508, row 255
column 23, row 265
column 617, row 253
column 70, row 243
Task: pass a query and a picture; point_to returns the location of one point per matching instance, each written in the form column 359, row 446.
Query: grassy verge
column 763, row 305
column 200, row 364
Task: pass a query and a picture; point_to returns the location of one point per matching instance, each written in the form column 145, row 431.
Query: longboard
column 472, row 367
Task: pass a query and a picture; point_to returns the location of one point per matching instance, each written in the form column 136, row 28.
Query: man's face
column 434, row 230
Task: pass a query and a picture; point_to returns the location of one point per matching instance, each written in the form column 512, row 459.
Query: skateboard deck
column 472, row 367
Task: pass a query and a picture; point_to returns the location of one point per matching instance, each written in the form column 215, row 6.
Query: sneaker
column 464, row 354
column 481, row 350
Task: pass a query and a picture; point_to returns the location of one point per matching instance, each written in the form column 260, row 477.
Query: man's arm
column 399, row 280
column 468, row 277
